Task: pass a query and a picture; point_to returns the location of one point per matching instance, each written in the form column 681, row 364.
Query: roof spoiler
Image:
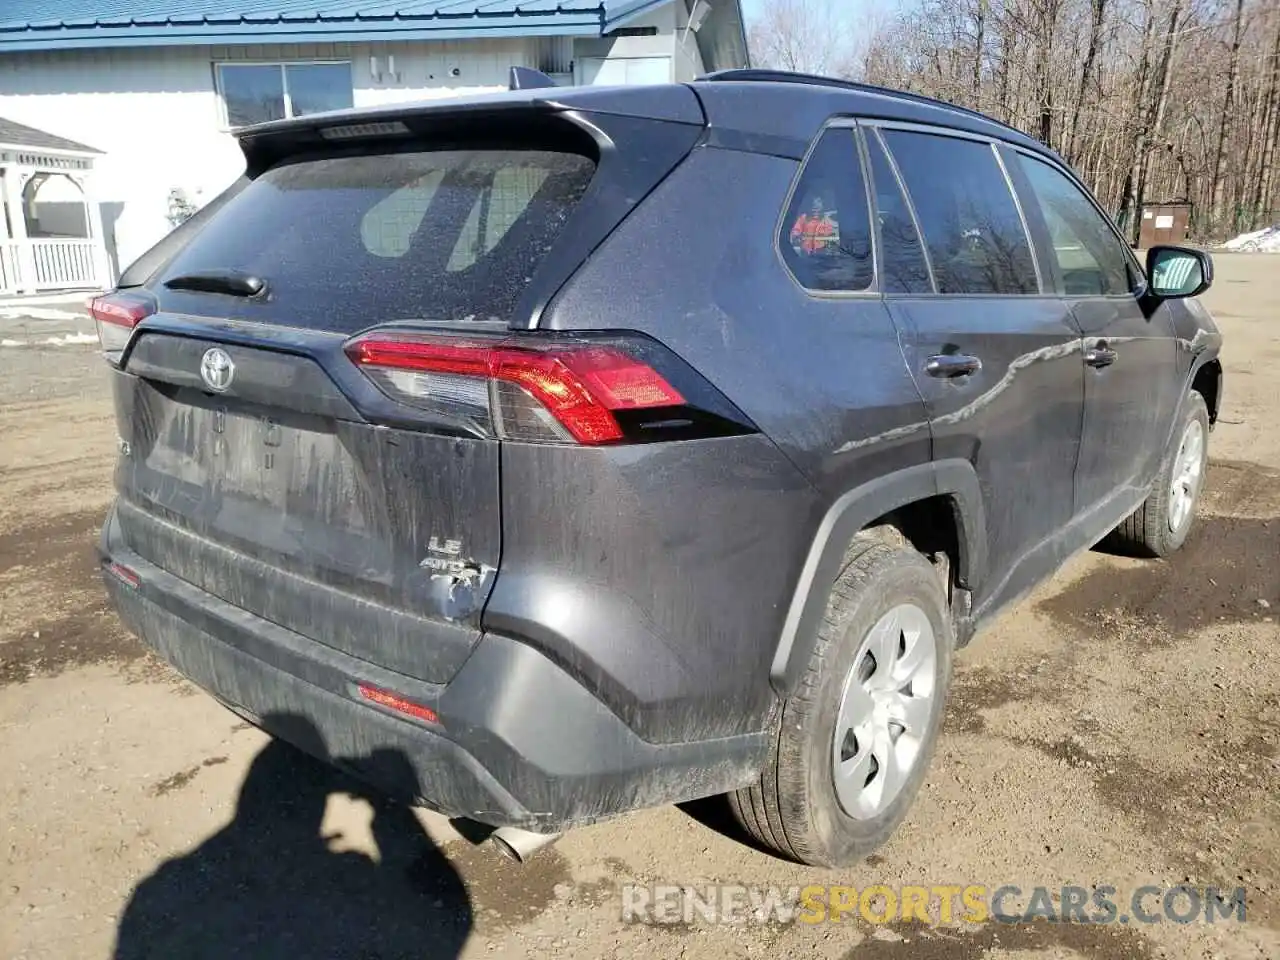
column 526, row 78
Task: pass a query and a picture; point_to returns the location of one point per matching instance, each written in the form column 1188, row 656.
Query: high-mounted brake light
column 115, row 315
column 554, row 392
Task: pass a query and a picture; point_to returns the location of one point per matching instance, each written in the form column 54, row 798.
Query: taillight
column 115, row 315
column 575, row 392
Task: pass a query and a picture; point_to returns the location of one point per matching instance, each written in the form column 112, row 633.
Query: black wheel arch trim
column 1204, row 359
column 1201, row 360
column 953, row 478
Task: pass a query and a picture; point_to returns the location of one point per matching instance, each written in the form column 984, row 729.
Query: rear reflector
column 384, row 698
column 115, row 315
column 545, row 393
column 124, row 574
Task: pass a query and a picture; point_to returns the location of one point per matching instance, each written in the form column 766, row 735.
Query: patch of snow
column 1266, row 240
column 66, row 340
column 71, row 338
column 39, row 313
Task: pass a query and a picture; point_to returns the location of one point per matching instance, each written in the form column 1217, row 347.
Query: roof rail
column 787, row 76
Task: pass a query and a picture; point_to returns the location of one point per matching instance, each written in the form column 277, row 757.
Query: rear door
column 1131, row 383
column 995, row 355
column 262, row 467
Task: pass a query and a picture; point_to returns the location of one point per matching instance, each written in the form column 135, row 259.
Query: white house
column 142, row 94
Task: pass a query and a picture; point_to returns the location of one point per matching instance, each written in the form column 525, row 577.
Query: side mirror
column 1176, row 272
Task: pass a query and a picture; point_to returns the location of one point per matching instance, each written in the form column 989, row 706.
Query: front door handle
column 947, row 366
column 1099, row 355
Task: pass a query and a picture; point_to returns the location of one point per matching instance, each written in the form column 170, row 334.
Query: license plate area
column 223, row 454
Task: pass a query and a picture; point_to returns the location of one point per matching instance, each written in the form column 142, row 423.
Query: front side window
column 1090, row 257
column 975, row 237
column 826, row 234
column 257, row 92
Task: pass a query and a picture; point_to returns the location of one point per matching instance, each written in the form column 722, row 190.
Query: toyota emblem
column 217, row 369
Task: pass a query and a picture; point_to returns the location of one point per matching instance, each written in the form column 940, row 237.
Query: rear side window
column 976, row 240
column 347, row 242
column 901, row 254
column 826, row 234
column 1091, row 259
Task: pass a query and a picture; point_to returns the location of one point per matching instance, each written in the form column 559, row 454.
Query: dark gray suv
column 552, row 454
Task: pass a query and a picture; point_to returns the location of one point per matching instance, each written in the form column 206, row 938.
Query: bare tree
column 807, row 36
column 1270, row 128
column 980, row 31
column 1098, row 10
column 1233, row 72
column 1148, row 99
column 1155, row 118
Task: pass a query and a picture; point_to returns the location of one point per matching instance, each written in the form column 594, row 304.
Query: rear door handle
column 1099, row 355
column 947, row 366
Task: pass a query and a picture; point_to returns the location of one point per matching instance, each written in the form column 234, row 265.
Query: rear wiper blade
column 233, row 282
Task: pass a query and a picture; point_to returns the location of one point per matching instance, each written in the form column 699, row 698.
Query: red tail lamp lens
column 384, row 698
column 580, row 386
column 115, row 315
column 125, row 575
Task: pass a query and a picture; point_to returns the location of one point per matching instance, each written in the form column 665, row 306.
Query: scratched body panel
column 350, row 534
column 1017, row 419
column 1128, row 403
column 823, row 377
column 660, row 574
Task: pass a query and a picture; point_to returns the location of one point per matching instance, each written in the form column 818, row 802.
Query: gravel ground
column 1121, row 727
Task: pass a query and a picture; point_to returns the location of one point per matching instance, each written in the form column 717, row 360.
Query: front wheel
column 855, row 739
column 1160, row 526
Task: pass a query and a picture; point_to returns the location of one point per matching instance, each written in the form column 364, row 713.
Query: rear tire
column 1160, row 526
column 843, row 770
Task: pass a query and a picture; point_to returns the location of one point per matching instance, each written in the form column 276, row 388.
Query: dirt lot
column 1121, row 727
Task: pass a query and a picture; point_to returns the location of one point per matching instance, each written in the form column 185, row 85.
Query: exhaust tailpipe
column 520, row 845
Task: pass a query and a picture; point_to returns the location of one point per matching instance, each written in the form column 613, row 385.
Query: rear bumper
column 519, row 741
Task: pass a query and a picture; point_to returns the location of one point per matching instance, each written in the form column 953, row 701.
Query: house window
column 254, row 92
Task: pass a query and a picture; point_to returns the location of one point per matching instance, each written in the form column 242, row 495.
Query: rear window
column 346, row 242
column 826, row 235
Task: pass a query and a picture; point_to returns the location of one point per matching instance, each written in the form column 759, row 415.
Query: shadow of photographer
column 269, row 885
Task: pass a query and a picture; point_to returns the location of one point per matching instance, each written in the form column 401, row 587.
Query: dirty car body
column 510, row 436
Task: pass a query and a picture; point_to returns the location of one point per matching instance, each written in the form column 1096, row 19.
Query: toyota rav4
column 561, row 452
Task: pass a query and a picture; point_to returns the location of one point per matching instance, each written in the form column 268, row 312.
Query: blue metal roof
column 64, row 24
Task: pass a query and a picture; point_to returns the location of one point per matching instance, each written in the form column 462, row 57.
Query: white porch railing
column 54, row 265
column 10, row 270
column 64, row 263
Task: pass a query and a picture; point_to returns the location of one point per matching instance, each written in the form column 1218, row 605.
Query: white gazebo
column 51, row 235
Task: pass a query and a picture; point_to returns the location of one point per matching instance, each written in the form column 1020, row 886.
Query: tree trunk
column 1086, row 72
column 1048, row 27
column 1270, row 132
column 1163, row 74
column 1233, row 73
column 980, row 27
column 1128, row 216
column 1006, row 58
